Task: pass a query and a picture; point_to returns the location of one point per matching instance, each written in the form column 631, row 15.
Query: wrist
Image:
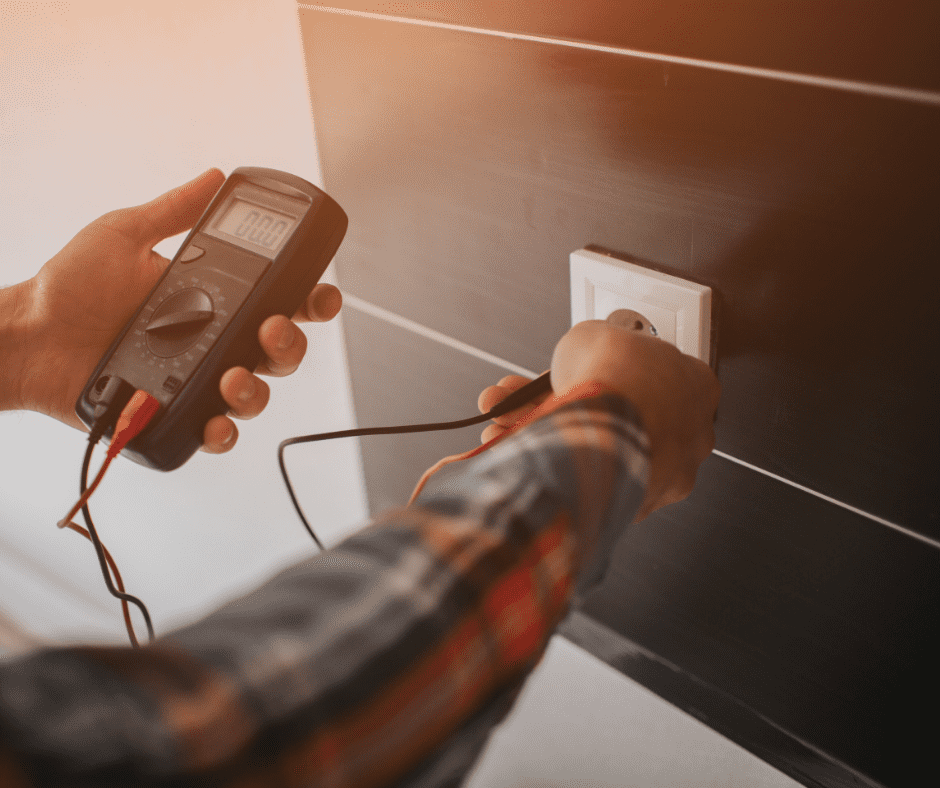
column 31, row 377
column 17, row 343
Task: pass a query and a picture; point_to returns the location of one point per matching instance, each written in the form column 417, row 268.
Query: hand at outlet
column 491, row 396
column 676, row 395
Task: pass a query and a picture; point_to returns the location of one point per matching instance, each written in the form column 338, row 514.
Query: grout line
column 916, row 95
column 836, row 501
column 436, row 336
column 456, row 344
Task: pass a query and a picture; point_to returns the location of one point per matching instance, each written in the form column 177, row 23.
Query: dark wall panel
column 813, row 617
column 874, row 41
column 813, row 213
column 472, row 165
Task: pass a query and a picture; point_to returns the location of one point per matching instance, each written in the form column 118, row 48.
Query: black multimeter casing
column 174, row 350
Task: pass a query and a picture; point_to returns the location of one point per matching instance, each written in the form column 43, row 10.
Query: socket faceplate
column 680, row 310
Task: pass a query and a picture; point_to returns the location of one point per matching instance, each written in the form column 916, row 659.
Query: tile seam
column 829, row 499
column 436, row 336
column 895, row 92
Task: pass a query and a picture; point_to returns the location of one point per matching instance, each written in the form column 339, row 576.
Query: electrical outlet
column 679, row 310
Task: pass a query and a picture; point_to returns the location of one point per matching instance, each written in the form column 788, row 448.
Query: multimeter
column 260, row 247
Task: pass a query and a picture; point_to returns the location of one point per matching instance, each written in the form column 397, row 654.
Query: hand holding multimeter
column 257, row 251
column 83, row 296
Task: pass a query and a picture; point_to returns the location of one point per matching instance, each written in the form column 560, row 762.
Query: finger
column 284, row 345
column 491, row 396
column 492, row 431
column 508, row 420
column 323, row 304
column 246, row 394
column 171, row 213
column 513, row 382
column 219, row 435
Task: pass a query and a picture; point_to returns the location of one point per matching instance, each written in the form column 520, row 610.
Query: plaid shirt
column 386, row 660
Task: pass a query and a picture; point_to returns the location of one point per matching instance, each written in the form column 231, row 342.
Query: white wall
column 108, row 104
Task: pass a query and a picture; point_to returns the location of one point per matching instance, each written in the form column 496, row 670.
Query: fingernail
column 247, row 392
column 228, row 436
column 287, row 337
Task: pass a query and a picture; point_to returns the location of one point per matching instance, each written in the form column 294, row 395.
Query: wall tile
column 471, row 166
column 875, row 42
column 823, row 622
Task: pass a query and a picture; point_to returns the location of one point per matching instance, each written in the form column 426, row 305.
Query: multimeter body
column 258, row 250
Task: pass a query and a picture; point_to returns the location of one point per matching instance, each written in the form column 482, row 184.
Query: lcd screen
column 249, row 222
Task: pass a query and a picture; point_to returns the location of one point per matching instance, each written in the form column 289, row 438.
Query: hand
column 84, row 295
column 491, row 396
column 676, row 396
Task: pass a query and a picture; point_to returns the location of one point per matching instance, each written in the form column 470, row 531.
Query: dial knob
column 178, row 322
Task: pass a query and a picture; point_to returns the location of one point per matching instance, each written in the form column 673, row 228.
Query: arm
column 359, row 665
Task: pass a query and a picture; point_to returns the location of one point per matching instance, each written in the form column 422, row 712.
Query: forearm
column 358, row 665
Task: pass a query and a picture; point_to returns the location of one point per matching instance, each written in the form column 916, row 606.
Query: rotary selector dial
column 178, row 322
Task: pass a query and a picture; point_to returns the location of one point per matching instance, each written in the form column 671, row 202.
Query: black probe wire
column 535, row 388
column 99, row 549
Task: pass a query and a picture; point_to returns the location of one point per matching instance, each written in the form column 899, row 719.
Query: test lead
column 134, row 417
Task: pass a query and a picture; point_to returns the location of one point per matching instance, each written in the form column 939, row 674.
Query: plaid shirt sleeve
column 386, row 660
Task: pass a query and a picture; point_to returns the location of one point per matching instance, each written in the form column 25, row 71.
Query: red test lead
column 136, row 415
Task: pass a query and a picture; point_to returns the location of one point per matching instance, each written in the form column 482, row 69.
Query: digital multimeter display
column 257, row 219
column 245, row 221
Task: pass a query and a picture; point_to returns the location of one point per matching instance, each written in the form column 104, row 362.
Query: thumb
column 173, row 212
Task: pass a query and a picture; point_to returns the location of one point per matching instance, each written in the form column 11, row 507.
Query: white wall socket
column 679, row 310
